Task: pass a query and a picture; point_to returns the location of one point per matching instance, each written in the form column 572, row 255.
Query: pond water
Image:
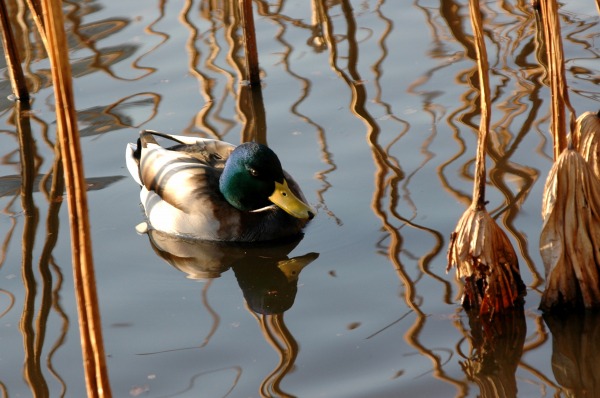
column 372, row 106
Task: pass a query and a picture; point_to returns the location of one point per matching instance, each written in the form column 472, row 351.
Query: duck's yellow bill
column 283, row 197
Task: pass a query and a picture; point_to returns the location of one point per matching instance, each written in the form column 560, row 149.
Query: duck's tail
column 148, row 137
column 133, row 152
column 132, row 160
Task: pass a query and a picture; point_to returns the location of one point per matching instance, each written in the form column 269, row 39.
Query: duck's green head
column 253, row 179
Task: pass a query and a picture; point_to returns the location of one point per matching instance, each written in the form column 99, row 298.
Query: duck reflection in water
column 261, row 269
column 265, row 273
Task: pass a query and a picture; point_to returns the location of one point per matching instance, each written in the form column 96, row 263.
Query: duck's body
column 212, row 190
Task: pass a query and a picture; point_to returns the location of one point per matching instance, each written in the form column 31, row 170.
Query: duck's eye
column 253, row 172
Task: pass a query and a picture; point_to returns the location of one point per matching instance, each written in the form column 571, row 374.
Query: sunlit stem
column 250, row 40
column 83, row 268
column 17, row 78
column 556, row 71
column 484, row 95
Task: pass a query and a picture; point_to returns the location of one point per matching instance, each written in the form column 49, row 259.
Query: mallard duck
column 208, row 189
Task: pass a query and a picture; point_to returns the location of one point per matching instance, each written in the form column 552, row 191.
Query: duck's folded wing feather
column 132, row 162
column 183, row 179
column 208, row 144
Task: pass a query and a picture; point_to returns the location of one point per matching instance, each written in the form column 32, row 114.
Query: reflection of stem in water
column 32, row 49
column 215, row 324
column 32, row 342
column 384, row 164
column 214, row 104
column 494, row 353
column 13, row 224
column 388, row 325
column 65, row 325
column 305, row 85
column 533, row 344
column 232, row 24
column 452, row 117
column 101, row 58
column 449, row 11
column 251, row 99
column 46, row 260
column 11, row 301
column 150, row 30
column 277, row 334
column 215, row 317
column 575, row 352
column 206, row 82
column 425, row 260
column 34, row 338
column 193, row 380
column 229, row 11
column 117, row 118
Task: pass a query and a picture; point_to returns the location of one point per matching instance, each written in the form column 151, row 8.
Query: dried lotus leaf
column 570, row 238
column 587, row 131
column 484, row 256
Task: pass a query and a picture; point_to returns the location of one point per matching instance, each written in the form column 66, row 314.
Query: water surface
column 373, row 107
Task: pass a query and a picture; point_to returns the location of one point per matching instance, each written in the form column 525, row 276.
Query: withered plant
column 570, row 236
column 479, row 249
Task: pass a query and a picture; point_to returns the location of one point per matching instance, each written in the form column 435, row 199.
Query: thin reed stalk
column 250, row 42
column 15, row 71
column 85, row 284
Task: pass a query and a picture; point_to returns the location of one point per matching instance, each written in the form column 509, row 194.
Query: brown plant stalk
column 570, row 236
column 479, row 248
column 83, row 268
column 13, row 63
column 250, row 42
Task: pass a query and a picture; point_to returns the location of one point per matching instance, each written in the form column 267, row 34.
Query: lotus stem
column 484, row 95
column 17, row 78
column 250, row 40
column 556, row 71
column 83, row 268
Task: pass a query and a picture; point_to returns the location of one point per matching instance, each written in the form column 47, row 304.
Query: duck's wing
column 211, row 152
column 185, row 175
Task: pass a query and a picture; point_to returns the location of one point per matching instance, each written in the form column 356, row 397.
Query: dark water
column 373, row 107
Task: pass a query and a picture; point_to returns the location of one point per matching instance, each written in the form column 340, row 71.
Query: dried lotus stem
column 479, row 248
column 13, row 63
column 570, row 237
column 556, row 70
column 484, row 95
column 250, row 42
column 83, row 268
